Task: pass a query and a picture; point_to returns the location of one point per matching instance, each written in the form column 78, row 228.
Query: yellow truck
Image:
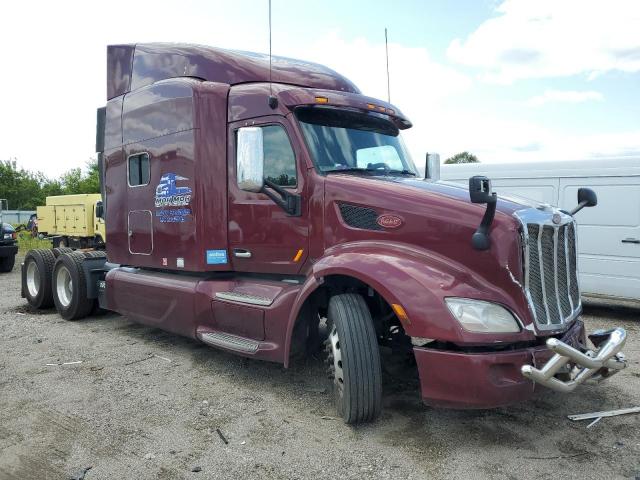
column 73, row 221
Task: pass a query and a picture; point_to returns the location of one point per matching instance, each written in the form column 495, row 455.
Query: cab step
column 244, row 298
column 229, row 341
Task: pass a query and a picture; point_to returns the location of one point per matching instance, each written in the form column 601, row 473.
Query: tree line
column 462, row 157
column 25, row 190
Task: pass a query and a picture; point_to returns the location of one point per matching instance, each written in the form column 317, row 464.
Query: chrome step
column 233, row 342
column 244, row 298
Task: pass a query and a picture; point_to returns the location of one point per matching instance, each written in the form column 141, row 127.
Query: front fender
column 418, row 280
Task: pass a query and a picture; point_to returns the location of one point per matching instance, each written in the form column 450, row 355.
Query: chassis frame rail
column 605, row 361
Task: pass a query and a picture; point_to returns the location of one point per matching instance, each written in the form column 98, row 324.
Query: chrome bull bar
column 605, row 361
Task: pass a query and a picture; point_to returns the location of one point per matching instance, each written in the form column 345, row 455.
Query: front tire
column 354, row 359
column 70, row 287
column 36, row 277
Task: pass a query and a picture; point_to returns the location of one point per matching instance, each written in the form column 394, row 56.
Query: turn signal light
column 401, row 313
column 322, row 100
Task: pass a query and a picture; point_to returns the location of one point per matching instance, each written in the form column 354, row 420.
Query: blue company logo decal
column 216, row 257
column 168, row 194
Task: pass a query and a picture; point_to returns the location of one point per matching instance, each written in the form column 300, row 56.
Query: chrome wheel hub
column 33, row 279
column 64, row 286
column 334, row 359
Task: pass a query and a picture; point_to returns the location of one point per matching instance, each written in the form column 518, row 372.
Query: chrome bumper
column 605, row 361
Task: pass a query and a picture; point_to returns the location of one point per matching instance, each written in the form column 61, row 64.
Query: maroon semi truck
column 265, row 210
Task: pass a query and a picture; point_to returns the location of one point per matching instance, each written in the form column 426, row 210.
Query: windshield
column 343, row 140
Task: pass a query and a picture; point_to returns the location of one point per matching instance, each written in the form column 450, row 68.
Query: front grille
column 552, row 282
column 359, row 217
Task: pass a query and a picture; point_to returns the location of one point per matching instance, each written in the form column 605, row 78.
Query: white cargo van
column 609, row 234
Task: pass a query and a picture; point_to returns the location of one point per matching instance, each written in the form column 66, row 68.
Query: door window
column 279, row 159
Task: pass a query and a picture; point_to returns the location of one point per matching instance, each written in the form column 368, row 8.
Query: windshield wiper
column 354, row 169
column 380, row 171
column 402, row 172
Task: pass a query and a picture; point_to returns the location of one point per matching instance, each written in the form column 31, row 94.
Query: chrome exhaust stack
column 602, row 363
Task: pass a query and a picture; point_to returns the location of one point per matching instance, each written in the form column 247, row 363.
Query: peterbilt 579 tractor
column 266, row 210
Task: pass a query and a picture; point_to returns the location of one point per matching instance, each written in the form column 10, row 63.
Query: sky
column 509, row 81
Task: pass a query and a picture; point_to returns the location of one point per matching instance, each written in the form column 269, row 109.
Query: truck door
column 263, row 238
column 139, row 222
column 608, row 235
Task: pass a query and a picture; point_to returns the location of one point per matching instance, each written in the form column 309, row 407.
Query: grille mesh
column 565, row 303
column 573, row 272
column 359, row 217
column 552, row 279
column 549, row 270
column 535, row 278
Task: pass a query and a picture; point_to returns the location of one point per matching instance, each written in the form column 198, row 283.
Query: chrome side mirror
column 432, row 167
column 250, row 159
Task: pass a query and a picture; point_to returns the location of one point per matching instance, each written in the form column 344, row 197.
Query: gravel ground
column 147, row 404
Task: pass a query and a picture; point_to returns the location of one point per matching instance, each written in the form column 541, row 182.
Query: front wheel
column 354, row 359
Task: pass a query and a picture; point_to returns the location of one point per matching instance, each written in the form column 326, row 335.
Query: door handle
column 130, row 233
column 631, row 240
column 241, row 253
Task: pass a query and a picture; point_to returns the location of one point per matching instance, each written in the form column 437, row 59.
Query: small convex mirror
column 250, row 159
column 480, row 189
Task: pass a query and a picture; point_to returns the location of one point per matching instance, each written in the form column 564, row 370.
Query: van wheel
column 70, row 287
column 354, row 359
column 36, row 277
column 7, row 263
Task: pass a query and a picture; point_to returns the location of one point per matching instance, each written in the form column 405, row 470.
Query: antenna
column 386, row 48
column 273, row 101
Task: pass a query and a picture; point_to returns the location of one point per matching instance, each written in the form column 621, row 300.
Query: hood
column 438, row 218
column 422, row 198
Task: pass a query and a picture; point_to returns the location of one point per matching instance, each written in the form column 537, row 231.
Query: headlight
column 483, row 317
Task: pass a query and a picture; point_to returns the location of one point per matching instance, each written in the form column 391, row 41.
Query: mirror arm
column 481, row 239
column 289, row 202
column 578, row 207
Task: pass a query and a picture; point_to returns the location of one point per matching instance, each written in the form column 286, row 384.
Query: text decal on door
column 216, row 257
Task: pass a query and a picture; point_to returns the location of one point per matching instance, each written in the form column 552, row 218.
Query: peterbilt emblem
column 389, row 221
column 556, row 218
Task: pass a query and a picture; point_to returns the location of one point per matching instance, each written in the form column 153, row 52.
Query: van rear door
column 608, row 234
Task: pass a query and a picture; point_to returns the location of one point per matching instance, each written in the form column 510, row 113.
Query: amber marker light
column 322, row 100
column 400, row 313
column 298, row 255
column 371, row 106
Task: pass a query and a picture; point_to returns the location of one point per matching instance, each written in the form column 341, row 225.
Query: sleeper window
column 279, row 159
column 139, row 169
